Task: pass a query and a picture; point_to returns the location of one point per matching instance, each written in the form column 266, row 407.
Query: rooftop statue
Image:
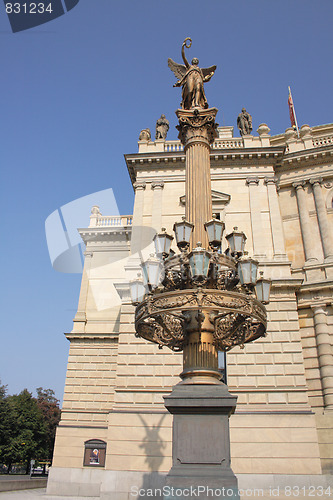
column 162, row 127
column 145, row 135
column 244, row 122
column 191, row 78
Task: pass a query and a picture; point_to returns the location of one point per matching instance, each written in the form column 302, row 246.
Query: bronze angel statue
column 191, row 78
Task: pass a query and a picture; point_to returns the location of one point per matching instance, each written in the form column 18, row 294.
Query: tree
column 6, row 423
column 28, row 431
column 49, row 406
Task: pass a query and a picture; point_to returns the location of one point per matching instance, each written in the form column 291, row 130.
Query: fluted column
column 259, row 247
column 197, row 130
column 156, row 221
column 324, row 349
column 305, row 222
column 137, row 217
column 324, row 228
column 279, row 248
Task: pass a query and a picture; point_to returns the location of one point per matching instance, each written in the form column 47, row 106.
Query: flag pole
column 292, row 112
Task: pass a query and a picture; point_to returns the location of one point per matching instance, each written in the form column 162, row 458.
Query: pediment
column 218, row 199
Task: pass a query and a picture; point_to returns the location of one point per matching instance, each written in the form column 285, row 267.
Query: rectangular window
column 94, row 453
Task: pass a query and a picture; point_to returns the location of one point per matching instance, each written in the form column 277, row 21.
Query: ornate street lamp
column 247, row 271
column 137, row 290
column 152, row 270
column 183, row 231
column 199, row 260
column 162, row 242
column 236, row 241
column 212, row 283
column 215, row 230
column 263, row 288
column 203, row 303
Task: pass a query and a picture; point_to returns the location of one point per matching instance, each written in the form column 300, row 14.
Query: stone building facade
column 115, row 432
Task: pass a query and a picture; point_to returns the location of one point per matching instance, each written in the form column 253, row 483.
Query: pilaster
column 137, row 216
column 259, row 249
column 325, row 231
column 305, row 222
column 279, row 248
column 157, row 187
column 80, row 317
column 324, row 348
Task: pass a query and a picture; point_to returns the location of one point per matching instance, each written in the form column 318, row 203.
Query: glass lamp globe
column 236, row 241
column 199, row 260
column 215, row 230
column 247, row 271
column 183, row 231
column 152, row 271
column 263, row 288
column 162, row 242
column 137, row 290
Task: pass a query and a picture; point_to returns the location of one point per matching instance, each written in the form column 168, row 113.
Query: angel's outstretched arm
column 183, row 55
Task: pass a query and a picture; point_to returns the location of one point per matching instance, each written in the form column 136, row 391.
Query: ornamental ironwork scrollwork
column 164, row 330
column 234, row 329
column 237, row 319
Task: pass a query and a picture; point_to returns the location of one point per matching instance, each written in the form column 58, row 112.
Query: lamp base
column 201, row 441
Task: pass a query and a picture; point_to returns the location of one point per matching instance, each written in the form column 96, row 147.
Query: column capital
column 197, row 125
column 88, row 254
column 316, row 180
column 299, row 184
column 270, row 180
column 252, row 180
column 139, row 185
column 319, row 307
column 157, row 184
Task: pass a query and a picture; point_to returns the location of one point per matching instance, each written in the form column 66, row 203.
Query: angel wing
column 179, row 70
column 208, row 71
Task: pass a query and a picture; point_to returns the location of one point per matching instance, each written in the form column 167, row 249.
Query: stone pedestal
column 201, row 443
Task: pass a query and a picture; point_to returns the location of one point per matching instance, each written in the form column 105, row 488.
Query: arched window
column 94, row 453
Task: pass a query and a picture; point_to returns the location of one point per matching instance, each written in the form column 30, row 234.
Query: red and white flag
column 292, row 113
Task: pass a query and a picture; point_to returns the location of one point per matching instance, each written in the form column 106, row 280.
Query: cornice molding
column 140, row 161
column 112, row 337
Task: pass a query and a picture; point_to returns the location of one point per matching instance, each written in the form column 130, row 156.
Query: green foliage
column 27, row 425
column 49, row 407
column 6, row 420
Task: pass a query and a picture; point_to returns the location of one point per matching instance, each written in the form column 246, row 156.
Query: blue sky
column 75, row 94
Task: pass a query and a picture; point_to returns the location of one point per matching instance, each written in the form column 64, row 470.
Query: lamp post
column 202, row 302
